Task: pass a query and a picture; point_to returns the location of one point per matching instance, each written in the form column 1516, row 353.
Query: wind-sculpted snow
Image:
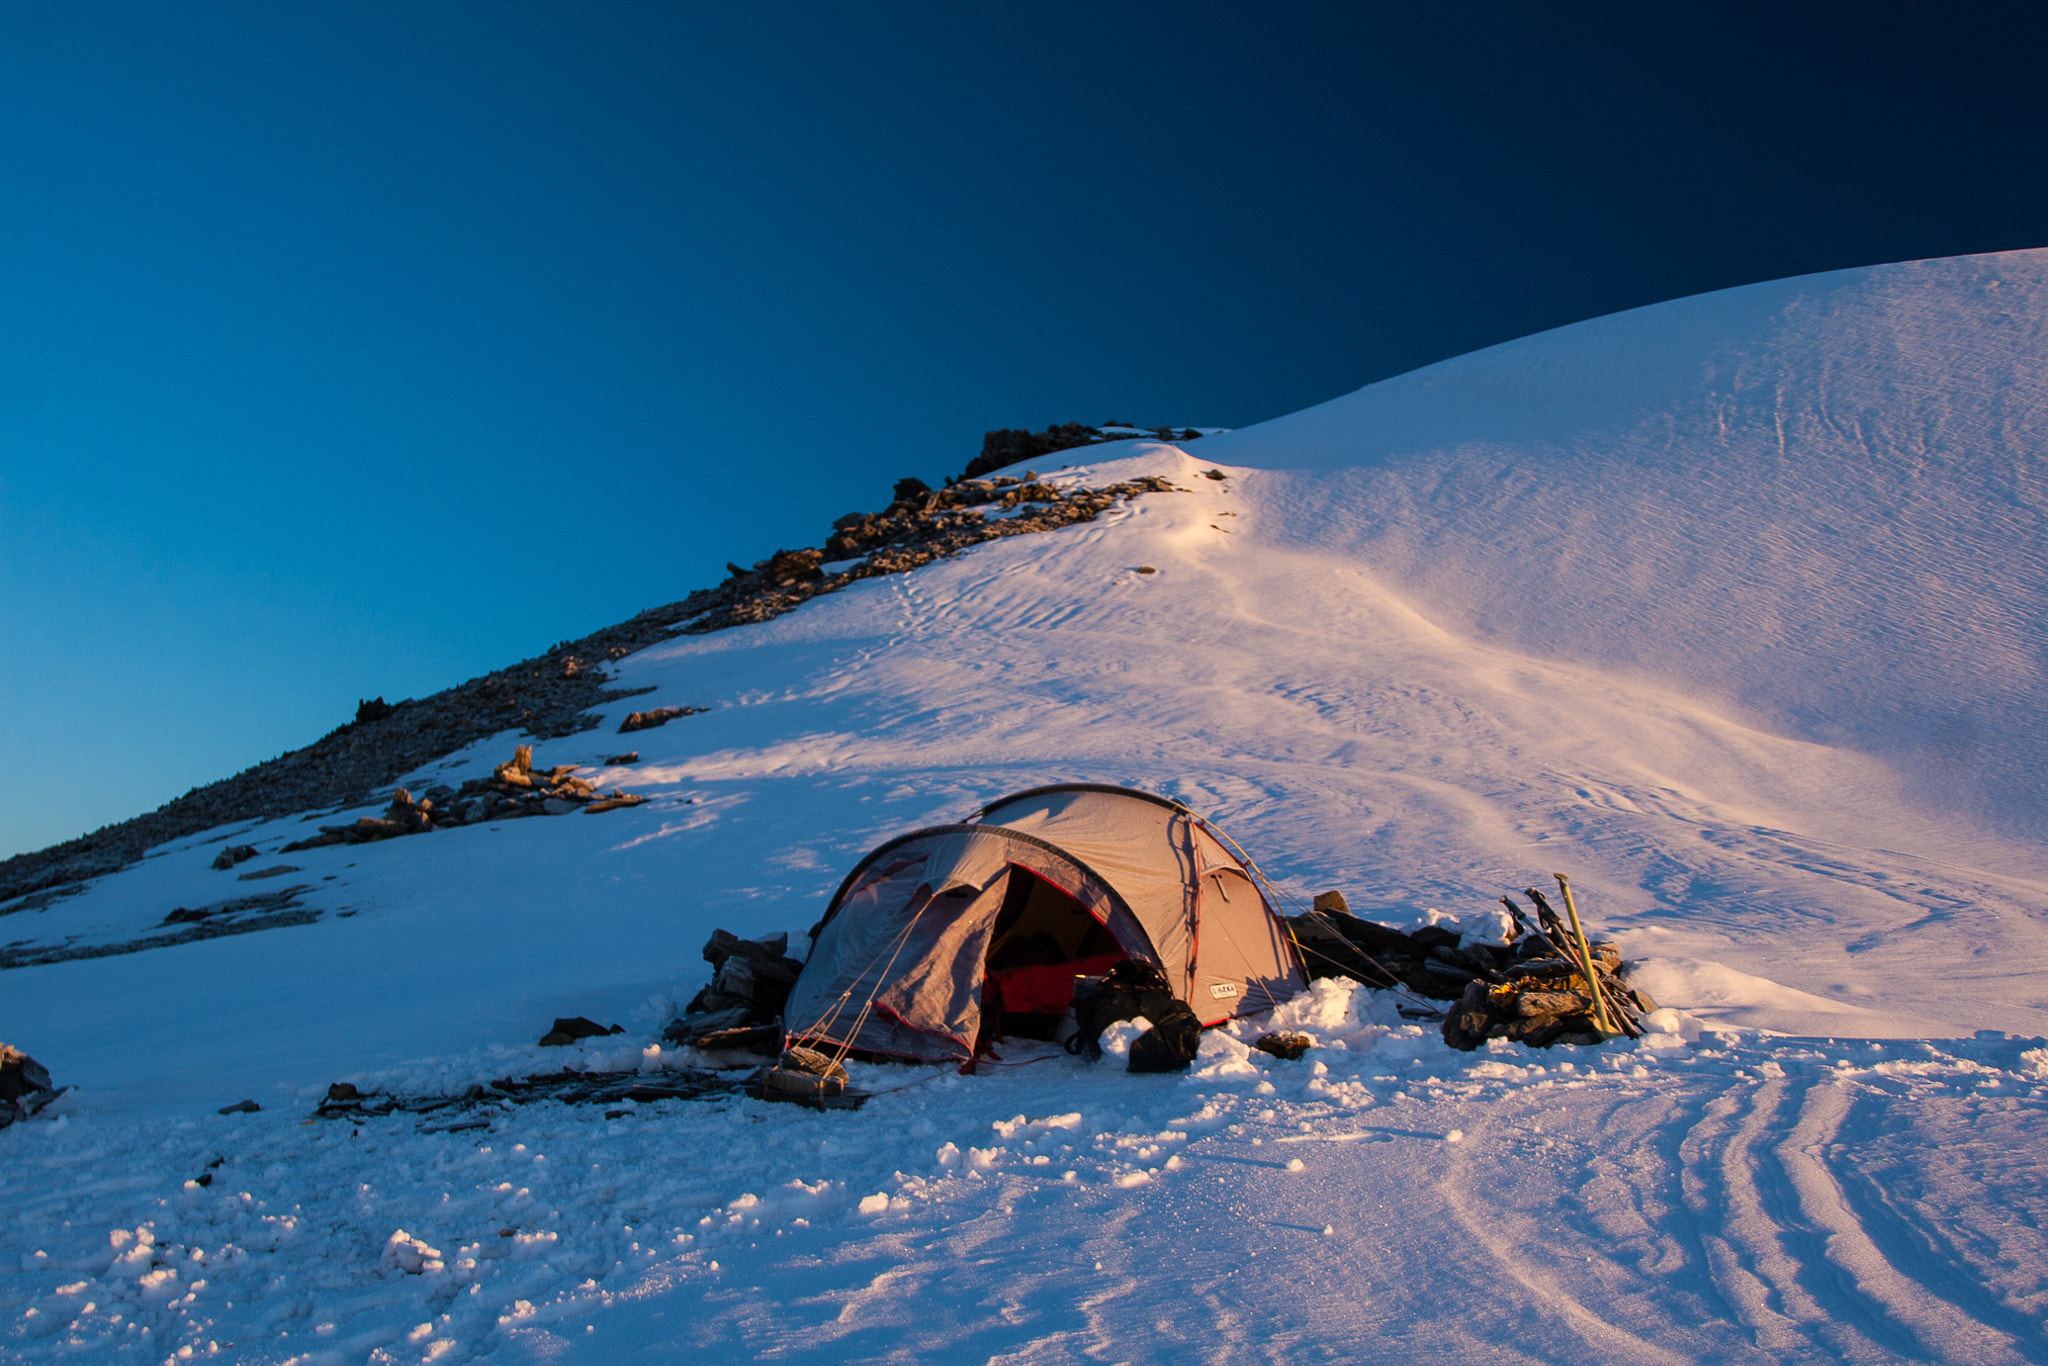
column 1823, row 500
column 1417, row 662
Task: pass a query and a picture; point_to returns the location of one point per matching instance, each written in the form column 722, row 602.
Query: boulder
column 1285, row 1044
column 660, row 716
column 25, row 1085
column 570, row 1029
column 763, row 1039
column 688, row 1028
column 811, row 1063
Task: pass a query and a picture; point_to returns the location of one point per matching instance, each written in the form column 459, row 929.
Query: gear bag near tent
column 944, row 938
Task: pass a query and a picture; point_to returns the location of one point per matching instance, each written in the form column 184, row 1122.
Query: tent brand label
column 1223, row 991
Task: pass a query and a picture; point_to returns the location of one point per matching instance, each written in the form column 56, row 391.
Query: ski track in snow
column 1681, row 602
column 1728, row 1200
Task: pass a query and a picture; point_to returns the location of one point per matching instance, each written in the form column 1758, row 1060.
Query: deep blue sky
column 356, row 349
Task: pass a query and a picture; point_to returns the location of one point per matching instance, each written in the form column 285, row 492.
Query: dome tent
column 943, row 936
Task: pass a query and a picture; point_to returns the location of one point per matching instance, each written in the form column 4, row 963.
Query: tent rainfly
column 945, row 938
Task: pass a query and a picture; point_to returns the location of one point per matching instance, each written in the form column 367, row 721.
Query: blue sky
column 350, row 350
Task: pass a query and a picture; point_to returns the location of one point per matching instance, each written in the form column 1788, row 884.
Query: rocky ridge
column 552, row 694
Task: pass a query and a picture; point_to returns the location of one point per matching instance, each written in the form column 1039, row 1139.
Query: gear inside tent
column 943, row 939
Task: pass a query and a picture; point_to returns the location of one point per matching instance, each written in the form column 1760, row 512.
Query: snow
column 1731, row 608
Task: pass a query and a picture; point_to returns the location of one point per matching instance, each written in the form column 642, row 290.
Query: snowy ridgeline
column 1731, row 609
column 1692, row 1197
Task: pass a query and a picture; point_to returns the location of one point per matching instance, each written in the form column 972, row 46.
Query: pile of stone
column 741, row 1011
column 1546, row 1000
column 25, row 1086
column 1532, row 990
column 922, row 525
column 516, row 789
column 1428, row 962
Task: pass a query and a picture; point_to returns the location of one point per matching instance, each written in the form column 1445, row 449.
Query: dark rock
column 688, row 1028
column 1378, row 940
column 787, row 567
column 1468, row 959
column 25, row 1085
column 1465, row 1030
column 344, row 1090
column 763, row 1039
column 1533, row 1005
column 771, row 948
column 811, row 1063
column 735, row 977
column 660, row 716
column 631, row 756
column 1545, row 968
column 234, row 854
column 1005, row 446
column 241, row 1107
column 569, row 1029
column 375, row 709
column 1285, row 1044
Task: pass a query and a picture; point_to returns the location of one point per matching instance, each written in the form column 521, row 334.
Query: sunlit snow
column 1732, row 608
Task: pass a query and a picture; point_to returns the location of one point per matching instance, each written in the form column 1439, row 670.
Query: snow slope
column 1567, row 603
column 1821, row 500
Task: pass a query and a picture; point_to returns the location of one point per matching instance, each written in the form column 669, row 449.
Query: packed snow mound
column 1819, row 500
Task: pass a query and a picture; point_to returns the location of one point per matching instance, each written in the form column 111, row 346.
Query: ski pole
column 1574, row 952
column 1600, row 1011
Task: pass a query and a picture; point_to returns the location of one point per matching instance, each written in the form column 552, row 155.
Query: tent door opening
column 1043, row 939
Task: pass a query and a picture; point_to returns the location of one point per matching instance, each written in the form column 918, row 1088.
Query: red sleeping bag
column 1047, row 990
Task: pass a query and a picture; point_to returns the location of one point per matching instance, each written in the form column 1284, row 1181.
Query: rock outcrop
column 553, row 694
